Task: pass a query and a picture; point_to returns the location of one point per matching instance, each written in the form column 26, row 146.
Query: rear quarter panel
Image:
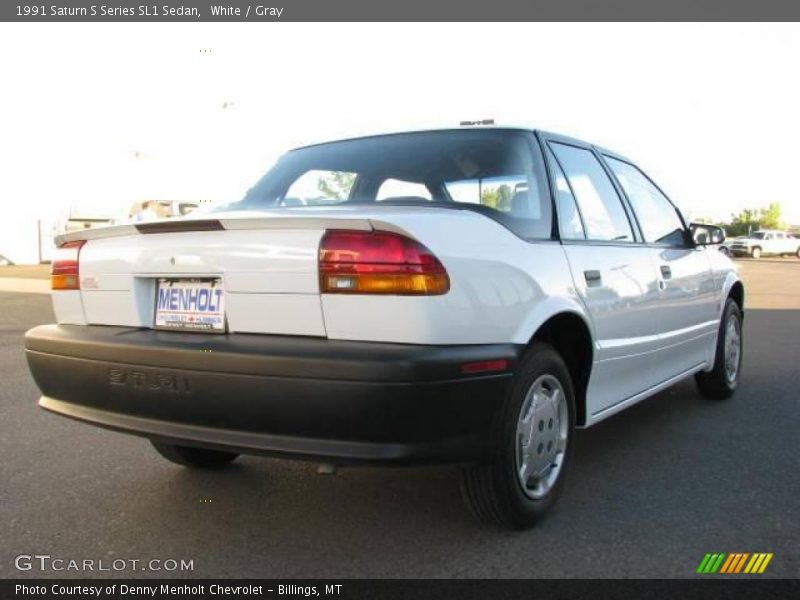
column 502, row 288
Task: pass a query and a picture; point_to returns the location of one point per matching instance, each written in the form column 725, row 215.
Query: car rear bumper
column 258, row 394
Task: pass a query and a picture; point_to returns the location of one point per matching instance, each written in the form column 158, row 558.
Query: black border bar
column 398, row 10
column 711, row 588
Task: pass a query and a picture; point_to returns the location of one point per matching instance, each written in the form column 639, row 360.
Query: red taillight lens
column 64, row 269
column 378, row 262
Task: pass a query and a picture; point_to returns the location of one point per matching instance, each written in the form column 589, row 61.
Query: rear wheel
column 532, row 445
column 756, row 252
column 721, row 382
column 189, row 456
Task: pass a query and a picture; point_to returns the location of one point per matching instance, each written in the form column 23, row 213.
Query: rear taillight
column 64, row 270
column 378, row 262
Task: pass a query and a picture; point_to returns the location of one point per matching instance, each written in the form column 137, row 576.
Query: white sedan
column 467, row 295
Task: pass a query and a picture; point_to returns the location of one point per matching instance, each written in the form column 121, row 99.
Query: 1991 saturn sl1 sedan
column 468, row 295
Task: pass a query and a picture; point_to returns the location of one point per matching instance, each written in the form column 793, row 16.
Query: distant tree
column 742, row 223
column 489, row 197
column 751, row 219
column 771, row 216
column 336, row 184
column 497, row 197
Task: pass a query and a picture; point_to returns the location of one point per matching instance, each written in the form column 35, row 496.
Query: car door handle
column 666, row 271
column 592, row 276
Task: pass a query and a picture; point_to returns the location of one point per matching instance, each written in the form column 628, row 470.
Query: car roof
column 406, row 131
column 528, row 129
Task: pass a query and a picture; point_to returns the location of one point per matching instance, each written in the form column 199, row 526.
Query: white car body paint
column 642, row 342
column 648, row 330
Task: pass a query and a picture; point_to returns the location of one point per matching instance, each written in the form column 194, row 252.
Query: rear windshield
column 496, row 172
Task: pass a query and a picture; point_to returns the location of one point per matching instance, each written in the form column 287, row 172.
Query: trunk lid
column 267, row 266
column 266, row 261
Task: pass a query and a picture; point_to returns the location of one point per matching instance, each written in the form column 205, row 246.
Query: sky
column 94, row 117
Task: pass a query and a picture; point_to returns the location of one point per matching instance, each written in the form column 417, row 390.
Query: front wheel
column 797, row 254
column 532, row 445
column 756, row 252
column 189, row 456
column 721, row 382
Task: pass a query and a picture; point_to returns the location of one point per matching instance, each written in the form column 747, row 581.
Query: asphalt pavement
column 650, row 492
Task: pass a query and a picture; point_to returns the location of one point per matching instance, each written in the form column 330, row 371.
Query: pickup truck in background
column 759, row 243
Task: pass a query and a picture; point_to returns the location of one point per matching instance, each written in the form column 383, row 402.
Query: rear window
column 496, row 172
column 392, row 189
column 319, row 187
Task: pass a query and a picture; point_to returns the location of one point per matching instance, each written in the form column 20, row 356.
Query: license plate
column 190, row 305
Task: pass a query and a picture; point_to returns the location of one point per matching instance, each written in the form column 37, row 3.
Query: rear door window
column 600, row 206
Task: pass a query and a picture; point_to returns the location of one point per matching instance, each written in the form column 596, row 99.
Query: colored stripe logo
column 735, row 562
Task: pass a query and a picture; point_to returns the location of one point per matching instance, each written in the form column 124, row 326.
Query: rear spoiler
column 225, row 224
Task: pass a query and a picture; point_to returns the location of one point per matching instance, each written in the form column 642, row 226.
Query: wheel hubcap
column 733, row 348
column 542, row 430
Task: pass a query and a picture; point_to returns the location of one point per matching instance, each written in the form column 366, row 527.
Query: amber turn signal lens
column 384, row 283
column 64, row 273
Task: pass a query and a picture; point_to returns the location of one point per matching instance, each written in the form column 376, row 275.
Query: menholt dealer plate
column 190, row 305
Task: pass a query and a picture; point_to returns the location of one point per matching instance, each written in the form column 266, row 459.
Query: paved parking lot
column 771, row 282
column 651, row 490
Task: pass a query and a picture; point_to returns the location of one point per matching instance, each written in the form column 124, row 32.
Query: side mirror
column 705, row 235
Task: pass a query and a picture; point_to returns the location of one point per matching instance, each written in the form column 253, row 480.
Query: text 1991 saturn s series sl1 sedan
column 466, row 295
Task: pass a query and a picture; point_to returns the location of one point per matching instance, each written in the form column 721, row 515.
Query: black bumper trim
column 343, row 452
column 304, row 397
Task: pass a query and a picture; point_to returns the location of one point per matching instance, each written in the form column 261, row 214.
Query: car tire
column 755, row 252
column 189, row 456
column 541, row 406
column 721, row 382
column 797, row 254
